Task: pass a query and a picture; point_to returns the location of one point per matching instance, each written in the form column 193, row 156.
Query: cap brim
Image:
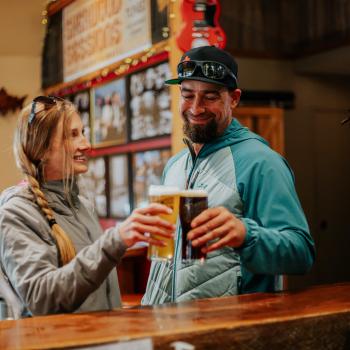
column 206, row 80
column 173, row 81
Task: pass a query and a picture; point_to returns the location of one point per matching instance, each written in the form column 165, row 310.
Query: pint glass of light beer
column 169, row 196
column 192, row 203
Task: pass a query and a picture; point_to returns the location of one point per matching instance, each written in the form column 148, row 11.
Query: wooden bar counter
column 315, row 318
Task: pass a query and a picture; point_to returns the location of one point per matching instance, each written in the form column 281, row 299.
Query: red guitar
column 201, row 25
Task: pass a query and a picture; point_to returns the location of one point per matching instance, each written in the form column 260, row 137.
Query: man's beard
column 201, row 133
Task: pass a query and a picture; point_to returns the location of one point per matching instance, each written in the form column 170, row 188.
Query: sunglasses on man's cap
column 210, row 69
column 208, row 64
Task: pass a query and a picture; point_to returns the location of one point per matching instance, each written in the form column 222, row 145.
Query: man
column 255, row 229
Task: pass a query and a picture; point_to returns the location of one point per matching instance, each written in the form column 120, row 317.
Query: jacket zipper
column 189, row 185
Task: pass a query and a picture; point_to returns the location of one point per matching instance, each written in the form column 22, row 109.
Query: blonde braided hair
column 31, row 144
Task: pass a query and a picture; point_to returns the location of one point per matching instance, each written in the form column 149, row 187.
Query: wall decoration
column 159, row 20
column 119, row 186
column 10, row 103
column 109, row 114
column 92, row 185
column 99, row 33
column 150, row 102
column 147, row 170
column 52, row 52
column 81, row 101
column 200, row 25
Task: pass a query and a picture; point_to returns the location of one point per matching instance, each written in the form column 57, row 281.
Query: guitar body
column 201, row 25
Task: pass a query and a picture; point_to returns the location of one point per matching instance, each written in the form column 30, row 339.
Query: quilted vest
column 220, row 274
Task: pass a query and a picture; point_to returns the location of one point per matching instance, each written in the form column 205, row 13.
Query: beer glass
column 192, row 203
column 169, row 196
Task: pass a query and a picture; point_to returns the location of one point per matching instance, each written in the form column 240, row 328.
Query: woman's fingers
column 153, row 209
column 151, row 240
column 151, row 221
column 146, row 224
column 151, row 229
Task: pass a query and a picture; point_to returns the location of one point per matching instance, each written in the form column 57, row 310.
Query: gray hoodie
column 29, row 256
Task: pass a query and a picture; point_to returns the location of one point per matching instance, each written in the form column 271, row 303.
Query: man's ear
column 236, row 96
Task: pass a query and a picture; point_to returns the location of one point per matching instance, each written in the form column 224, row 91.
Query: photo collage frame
column 118, row 183
column 134, row 108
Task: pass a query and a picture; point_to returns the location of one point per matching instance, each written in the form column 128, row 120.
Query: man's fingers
column 217, row 245
column 205, row 216
column 209, row 226
column 212, row 216
column 211, row 235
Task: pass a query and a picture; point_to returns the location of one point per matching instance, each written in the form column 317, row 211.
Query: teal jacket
column 242, row 173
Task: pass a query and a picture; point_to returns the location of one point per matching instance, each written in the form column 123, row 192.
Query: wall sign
column 99, row 33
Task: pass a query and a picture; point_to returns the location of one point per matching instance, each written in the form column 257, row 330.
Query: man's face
column 206, row 109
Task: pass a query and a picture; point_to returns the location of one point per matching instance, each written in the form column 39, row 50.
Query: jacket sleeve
column 278, row 240
column 31, row 265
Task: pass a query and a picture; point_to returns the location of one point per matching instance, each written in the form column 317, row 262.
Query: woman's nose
column 85, row 144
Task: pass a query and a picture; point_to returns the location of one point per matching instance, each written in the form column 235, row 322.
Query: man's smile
column 198, row 119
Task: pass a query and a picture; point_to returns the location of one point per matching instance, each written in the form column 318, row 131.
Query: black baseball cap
column 208, row 54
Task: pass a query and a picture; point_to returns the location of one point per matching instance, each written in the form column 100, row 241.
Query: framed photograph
column 109, row 114
column 159, row 15
column 92, row 185
column 150, row 113
column 147, row 170
column 81, row 101
column 119, row 186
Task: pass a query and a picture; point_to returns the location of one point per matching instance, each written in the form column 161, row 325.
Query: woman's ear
column 235, row 96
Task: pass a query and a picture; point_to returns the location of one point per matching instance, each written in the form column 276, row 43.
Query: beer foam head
column 159, row 190
column 194, row 193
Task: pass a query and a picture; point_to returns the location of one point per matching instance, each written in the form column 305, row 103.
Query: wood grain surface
column 315, row 318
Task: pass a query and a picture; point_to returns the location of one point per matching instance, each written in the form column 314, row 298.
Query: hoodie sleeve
column 278, row 240
column 29, row 259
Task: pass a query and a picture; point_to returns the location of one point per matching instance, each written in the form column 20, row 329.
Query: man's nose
column 197, row 106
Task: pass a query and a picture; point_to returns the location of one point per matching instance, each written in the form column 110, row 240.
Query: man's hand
column 146, row 220
column 216, row 223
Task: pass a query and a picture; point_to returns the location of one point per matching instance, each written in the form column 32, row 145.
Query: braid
column 64, row 244
column 32, row 141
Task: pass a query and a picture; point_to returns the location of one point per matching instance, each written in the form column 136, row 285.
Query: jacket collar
column 57, row 198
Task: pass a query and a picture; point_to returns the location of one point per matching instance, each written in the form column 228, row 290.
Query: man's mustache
column 188, row 115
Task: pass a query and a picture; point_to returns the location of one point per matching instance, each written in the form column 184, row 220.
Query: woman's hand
column 146, row 221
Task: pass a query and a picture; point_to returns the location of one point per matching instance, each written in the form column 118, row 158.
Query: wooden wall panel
column 284, row 28
column 268, row 122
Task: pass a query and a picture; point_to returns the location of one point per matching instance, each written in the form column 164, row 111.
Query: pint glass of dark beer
column 192, row 203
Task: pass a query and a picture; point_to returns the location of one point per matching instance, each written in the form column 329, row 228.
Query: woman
column 52, row 249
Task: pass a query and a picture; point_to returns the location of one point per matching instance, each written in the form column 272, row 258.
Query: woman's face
column 77, row 154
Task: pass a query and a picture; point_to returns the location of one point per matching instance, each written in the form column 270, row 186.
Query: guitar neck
column 198, row 23
column 206, row 12
column 199, row 7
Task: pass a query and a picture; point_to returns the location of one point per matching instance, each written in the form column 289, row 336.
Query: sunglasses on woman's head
column 46, row 100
